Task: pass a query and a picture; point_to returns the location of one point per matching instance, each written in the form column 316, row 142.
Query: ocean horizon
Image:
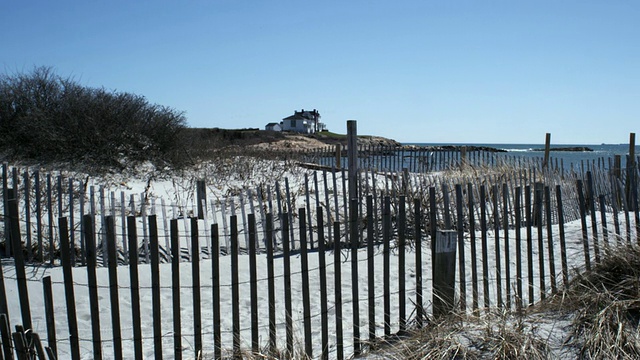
column 600, row 152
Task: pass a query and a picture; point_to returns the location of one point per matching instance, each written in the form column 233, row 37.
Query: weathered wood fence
column 424, row 159
column 513, row 249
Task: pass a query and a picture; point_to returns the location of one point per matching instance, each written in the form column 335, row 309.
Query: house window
column 293, row 123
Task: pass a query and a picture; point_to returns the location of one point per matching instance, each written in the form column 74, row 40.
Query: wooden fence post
column 631, row 171
column 444, row 276
column 547, row 148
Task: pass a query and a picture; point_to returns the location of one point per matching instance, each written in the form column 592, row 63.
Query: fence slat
column 253, row 283
column 72, row 320
column 271, row 285
column 16, row 245
column 552, row 258
column 50, row 220
column 354, row 244
column 93, row 287
column 485, row 256
column 528, row 216
column 323, row 286
column 496, row 230
column 371, row 284
column 39, row 215
column 47, row 292
column 507, row 252
column 27, row 213
column 113, row 288
column 591, row 203
column 386, row 239
column 563, row 247
column 235, row 291
column 338, row 290
column 5, row 336
column 195, row 279
column 474, row 252
column 583, row 222
column 133, row 258
column 306, row 300
column 151, row 246
column 402, row 221
column 518, row 214
column 215, row 269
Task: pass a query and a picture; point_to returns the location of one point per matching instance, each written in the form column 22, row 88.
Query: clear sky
column 416, row 71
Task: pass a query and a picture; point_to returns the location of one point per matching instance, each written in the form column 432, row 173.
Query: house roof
column 273, row 124
column 303, row 115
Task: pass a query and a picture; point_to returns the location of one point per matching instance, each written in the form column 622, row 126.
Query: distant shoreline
column 572, row 148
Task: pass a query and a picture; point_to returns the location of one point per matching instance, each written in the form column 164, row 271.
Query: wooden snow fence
column 274, row 305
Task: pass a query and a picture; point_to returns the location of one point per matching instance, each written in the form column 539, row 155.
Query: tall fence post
column 444, row 275
column 547, row 148
column 352, row 147
column 631, row 166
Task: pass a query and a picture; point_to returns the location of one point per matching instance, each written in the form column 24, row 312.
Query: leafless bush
column 47, row 118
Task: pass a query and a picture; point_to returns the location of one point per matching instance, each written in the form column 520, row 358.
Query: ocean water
column 600, row 152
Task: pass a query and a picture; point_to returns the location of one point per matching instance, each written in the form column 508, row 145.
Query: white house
column 306, row 122
column 273, row 127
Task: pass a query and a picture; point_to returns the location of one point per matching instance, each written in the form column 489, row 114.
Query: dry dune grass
column 605, row 303
column 596, row 317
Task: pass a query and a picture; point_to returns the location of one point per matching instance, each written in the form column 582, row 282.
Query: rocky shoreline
column 570, row 148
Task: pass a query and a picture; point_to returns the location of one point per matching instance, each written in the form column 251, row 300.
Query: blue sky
column 416, row 71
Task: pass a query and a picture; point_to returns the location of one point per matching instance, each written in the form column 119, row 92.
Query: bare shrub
column 47, row 118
